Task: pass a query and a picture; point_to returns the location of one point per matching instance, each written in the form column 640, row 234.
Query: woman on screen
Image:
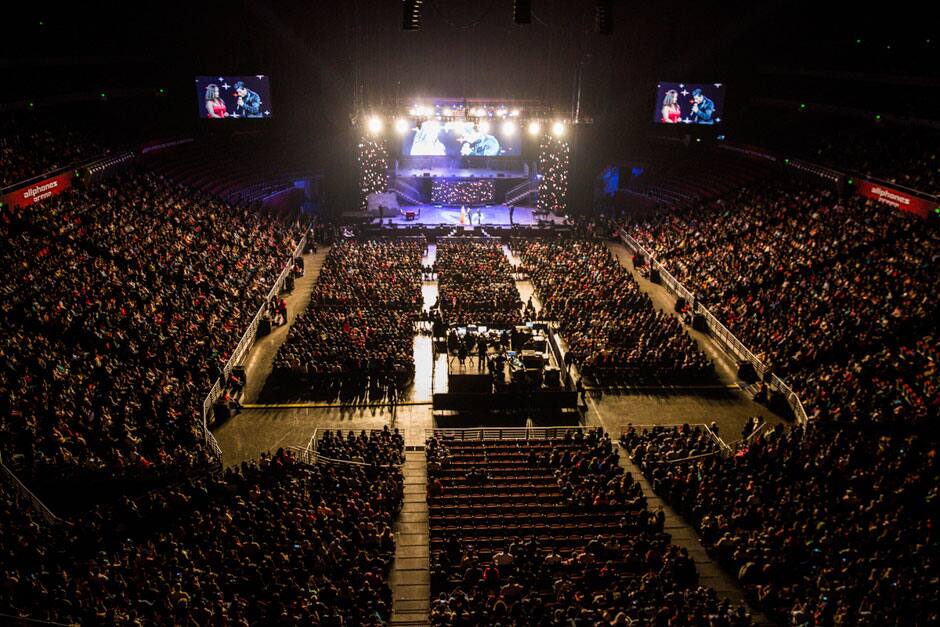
column 215, row 106
column 427, row 142
column 671, row 112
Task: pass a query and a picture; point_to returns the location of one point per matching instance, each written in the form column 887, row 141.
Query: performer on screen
column 215, row 106
column 671, row 113
column 248, row 104
column 703, row 108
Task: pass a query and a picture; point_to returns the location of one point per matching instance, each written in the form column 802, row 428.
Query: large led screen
column 233, row 97
column 689, row 103
column 434, row 138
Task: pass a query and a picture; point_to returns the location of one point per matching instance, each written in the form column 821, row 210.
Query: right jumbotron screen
column 689, row 103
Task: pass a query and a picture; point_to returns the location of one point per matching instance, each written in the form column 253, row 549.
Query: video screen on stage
column 689, row 103
column 233, row 97
column 434, row 138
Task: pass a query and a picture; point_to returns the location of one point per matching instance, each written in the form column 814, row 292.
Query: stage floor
column 489, row 215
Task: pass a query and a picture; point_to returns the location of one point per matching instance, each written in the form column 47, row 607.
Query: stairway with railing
column 406, row 192
column 524, row 191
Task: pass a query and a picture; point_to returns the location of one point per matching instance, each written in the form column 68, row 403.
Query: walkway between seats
column 411, row 574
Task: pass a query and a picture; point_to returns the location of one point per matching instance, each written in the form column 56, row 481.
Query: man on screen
column 248, row 104
column 703, row 108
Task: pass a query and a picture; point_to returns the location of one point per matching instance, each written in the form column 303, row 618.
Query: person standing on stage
column 512, row 208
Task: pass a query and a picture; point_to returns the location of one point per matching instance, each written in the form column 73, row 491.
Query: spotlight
column 375, row 125
column 401, row 126
column 484, row 126
column 411, row 14
column 534, row 128
column 558, row 129
column 509, row 128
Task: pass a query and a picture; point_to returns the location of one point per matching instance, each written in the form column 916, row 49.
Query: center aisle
column 411, row 574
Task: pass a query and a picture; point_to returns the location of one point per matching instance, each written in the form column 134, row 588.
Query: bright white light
column 480, row 112
column 484, row 126
column 534, row 128
column 401, row 126
column 515, row 113
column 447, row 112
column 375, row 125
column 501, row 112
column 558, row 129
column 509, row 128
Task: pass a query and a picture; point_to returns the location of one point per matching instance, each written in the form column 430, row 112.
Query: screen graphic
column 233, row 97
column 689, row 103
column 434, row 138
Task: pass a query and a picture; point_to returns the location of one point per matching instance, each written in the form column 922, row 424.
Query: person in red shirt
column 671, row 113
column 215, row 106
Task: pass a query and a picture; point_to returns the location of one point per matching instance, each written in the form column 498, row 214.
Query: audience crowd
column 383, row 448
column 361, row 318
column 272, row 542
column 121, row 305
column 627, row 574
column 610, row 326
column 831, row 525
column 475, row 285
column 28, row 150
column 835, row 295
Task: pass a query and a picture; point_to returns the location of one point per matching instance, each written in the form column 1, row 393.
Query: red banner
column 39, row 191
column 896, row 198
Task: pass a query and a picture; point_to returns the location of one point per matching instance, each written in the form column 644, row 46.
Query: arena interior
column 550, row 313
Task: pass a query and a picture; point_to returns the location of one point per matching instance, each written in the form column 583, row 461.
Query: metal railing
column 515, row 195
column 507, row 433
column 244, row 345
column 727, row 340
column 27, row 494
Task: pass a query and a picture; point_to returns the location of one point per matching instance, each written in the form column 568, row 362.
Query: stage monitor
column 435, row 138
column 689, row 103
column 233, row 97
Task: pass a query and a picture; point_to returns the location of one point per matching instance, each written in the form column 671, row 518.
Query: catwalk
column 489, row 215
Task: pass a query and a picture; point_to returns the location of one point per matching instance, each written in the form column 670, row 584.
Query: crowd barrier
column 241, row 350
column 731, row 344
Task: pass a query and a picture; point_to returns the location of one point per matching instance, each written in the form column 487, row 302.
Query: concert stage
column 493, row 215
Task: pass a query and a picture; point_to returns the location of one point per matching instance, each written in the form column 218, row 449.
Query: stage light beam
column 375, row 125
column 558, row 129
column 534, row 128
